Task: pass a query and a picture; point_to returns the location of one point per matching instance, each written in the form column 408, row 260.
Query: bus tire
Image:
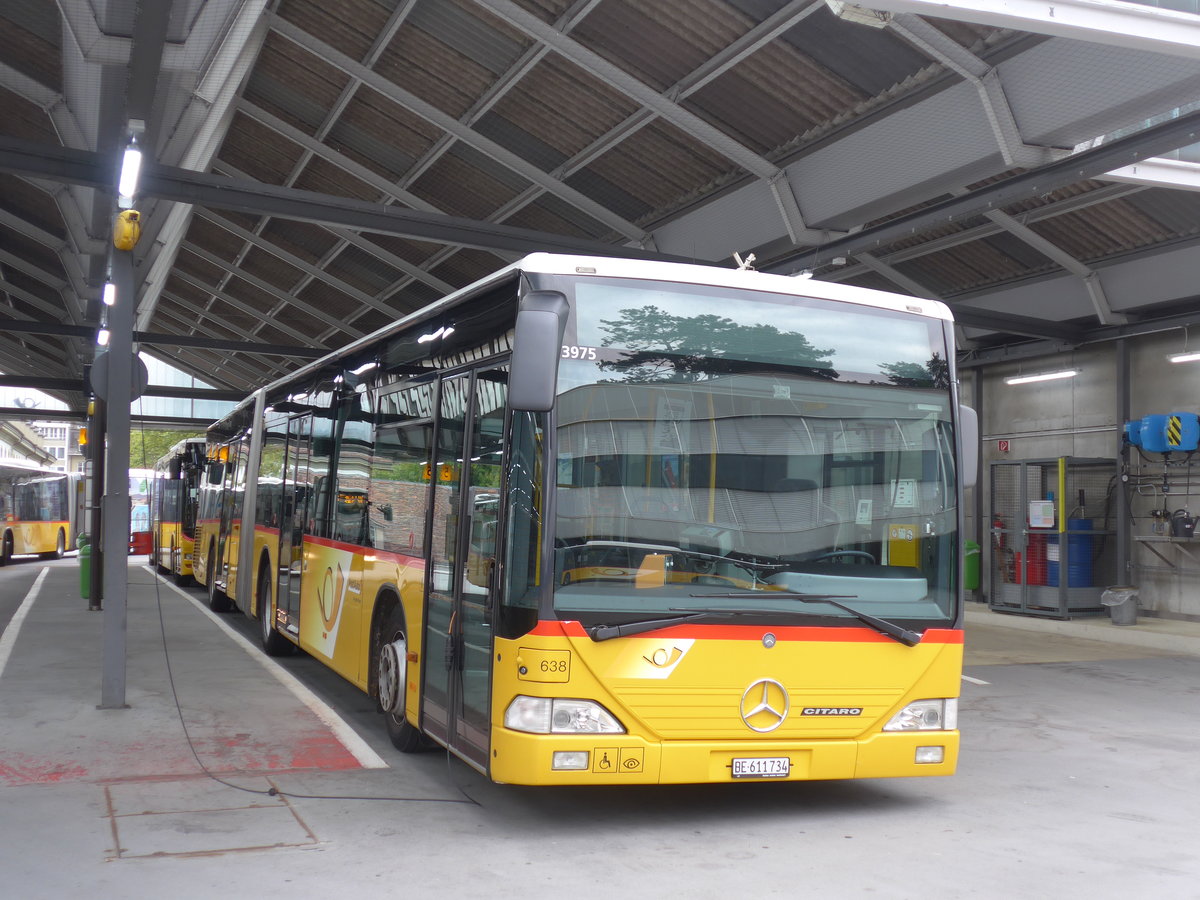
column 391, row 665
column 60, row 547
column 273, row 643
column 6, row 551
column 217, row 600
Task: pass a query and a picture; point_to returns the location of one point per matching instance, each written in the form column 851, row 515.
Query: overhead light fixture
column 1190, row 356
column 131, row 167
column 110, row 294
column 1044, row 376
column 852, row 12
column 102, row 337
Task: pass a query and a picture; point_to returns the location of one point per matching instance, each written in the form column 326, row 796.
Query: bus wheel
column 393, row 664
column 217, row 601
column 273, row 643
column 60, row 547
column 6, row 551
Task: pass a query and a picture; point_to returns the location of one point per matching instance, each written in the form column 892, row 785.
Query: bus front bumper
column 519, row 758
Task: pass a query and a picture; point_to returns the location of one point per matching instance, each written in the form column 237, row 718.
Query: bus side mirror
column 968, row 441
column 537, row 343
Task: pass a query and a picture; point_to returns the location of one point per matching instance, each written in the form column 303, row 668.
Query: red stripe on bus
column 854, row 635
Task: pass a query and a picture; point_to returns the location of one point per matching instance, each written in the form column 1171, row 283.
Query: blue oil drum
column 1079, row 555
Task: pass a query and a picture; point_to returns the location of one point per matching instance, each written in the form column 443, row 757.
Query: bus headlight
column 926, row 715
column 543, row 715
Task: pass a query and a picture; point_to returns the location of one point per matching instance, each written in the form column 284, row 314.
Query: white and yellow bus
column 40, row 510
column 174, row 499
column 604, row 521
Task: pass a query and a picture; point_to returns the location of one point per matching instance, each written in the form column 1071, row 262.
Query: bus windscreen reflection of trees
column 658, row 346
column 742, row 440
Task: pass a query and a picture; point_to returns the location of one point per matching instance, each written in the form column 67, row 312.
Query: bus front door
column 458, row 635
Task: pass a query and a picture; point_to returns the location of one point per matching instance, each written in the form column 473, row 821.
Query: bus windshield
column 744, row 452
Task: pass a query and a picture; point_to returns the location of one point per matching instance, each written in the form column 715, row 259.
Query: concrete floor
column 1077, row 778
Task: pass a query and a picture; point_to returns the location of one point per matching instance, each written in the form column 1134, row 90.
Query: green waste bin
column 84, row 543
column 971, row 566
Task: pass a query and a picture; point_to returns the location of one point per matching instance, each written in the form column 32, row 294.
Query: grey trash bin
column 1121, row 601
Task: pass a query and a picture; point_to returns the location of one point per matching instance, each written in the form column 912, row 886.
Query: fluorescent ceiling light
column 131, row 166
column 110, row 294
column 1044, row 376
column 1184, row 357
column 102, row 337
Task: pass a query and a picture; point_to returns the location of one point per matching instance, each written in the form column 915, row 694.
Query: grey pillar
column 1124, row 522
column 95, row 517
column 115, row 503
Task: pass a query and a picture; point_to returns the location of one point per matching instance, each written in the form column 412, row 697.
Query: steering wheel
column 833, row 554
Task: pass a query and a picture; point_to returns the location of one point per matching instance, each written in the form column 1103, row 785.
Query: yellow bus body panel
column 680, row 696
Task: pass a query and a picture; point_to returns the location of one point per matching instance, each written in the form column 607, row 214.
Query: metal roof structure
column 316, row 168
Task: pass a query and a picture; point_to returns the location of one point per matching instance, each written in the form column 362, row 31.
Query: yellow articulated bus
column 605, row 521
column 174, row 500
column 40, row 510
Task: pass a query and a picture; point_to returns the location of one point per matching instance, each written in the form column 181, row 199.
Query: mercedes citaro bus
column 610, row 521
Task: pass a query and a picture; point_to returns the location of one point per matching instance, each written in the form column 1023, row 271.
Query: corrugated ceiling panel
column 458, row 185
column 555, row 216
column 32, row 252
column 213, row 238
column 326, row 178
column 1178, row 212
column 31, row 40
column 293, row 84
column 328, row 299
column 381, row 134
column 309, row 242
column 873, row 60
column 471, row 31
column 546, row 10
column 270, row 268
column 411, row 251
column 24, row 120
column 659, row 43
column 467, row 265
column 1100, row 230
column 561, row 106
column 419, row 62
column 361, row 270
column 25, row 201
column 773, row 96
column 661, row 165
column 350, row 26
column 257, row 151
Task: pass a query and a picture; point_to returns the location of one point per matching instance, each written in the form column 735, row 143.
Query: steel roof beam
column 1153, row 141
column 240, row 305
column 1133, row 25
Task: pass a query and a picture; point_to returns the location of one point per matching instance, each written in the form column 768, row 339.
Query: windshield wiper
column 608, row 632
column 891, row 629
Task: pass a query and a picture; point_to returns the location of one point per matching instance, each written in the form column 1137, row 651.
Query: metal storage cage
column 1053, row 536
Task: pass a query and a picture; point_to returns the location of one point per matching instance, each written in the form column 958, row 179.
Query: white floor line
column 974, row 680
column 347, row 736
column 9, row 639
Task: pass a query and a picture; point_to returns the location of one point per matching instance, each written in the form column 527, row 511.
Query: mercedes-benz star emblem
column 765, row 705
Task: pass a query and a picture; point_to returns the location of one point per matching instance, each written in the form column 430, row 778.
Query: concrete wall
column 1079, row 417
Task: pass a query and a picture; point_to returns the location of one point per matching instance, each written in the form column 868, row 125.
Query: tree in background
column 146, row 447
